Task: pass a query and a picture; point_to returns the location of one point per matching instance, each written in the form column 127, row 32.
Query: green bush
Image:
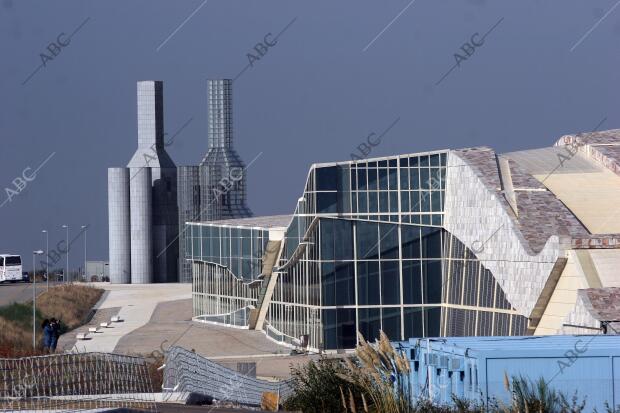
column 319, row 387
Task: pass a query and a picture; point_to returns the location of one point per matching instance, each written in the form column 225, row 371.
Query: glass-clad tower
column 215, row 189
column 222, row 172
column 366, row 250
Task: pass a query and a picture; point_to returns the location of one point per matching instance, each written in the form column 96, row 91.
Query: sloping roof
column 603, row 304
column 589, row 190
column 541, row 213
column 270, row 221
column 604, row 146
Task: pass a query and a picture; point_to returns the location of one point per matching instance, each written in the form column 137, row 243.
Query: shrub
column 536, row 396
column 319, row 387
column 382, row 374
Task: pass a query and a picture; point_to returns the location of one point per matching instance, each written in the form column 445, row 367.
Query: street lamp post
column 84, row 229
column 34, row 298
column 66, row 277
column 47, row 252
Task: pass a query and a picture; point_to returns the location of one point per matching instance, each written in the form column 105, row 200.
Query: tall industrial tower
column 142, row 201
column 218, row 183
column 222, row 174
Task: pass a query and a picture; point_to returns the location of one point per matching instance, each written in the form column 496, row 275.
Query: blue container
column 475, row 367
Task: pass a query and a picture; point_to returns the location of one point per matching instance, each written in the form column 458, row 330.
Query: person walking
column 55, row 333
column 47, row 334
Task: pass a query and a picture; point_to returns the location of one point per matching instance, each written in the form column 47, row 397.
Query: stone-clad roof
column 540, row 214
column 603, row 304
column 604, row 146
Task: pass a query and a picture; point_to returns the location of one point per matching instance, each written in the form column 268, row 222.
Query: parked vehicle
column 11, row 268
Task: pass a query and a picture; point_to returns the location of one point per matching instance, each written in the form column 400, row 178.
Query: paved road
column 19, row 292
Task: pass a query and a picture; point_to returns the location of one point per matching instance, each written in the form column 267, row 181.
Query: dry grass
column 13, row 335
column 70, row 304
column 382, row 374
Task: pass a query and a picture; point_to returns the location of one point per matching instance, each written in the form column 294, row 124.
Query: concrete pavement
column 137, row 302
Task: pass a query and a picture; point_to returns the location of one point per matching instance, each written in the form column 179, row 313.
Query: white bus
column 10, row 268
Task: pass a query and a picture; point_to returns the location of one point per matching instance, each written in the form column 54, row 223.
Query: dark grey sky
column 313, row 97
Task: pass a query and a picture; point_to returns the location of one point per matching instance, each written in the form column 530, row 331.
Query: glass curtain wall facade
column 365, row 251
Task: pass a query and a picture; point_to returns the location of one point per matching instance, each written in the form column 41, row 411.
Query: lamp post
column 66, row 277
column 84, row 229
column 34, row 298
column 47, row 252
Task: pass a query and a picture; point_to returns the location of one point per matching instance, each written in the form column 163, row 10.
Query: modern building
column 463, row 242
column 151, row 199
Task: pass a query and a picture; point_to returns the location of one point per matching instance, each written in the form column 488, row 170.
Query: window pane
column 393, row 201
column 404, row 201
column 412, row 286
column 326, row 178
column 345, row 284
column 373, row 202
column 383, row 179
column 390, row 283
column 413, row 322
column 431, row 245
column 435, row 179
column 367, row 240
column 328, row 283
column 361, row 178
column 425, row 201
column 363, row 202
column 404, row 178
column 327, row 239
column 431, row 273
column 410, row 236
column 424, row 178
column 326, row 202
column 391, row 323
column 383, row 202
column 414, row 178
column 330, row 329
column 389, row 241
column 393, row 178
column 433, row 317
column 368, row 283
column 369, row 322
column 346, row 328
column 436, row 201
column 343, row 237
column 372, row 178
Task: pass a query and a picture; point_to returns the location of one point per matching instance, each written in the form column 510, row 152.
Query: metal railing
column 186, row 371
column 75, row 382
